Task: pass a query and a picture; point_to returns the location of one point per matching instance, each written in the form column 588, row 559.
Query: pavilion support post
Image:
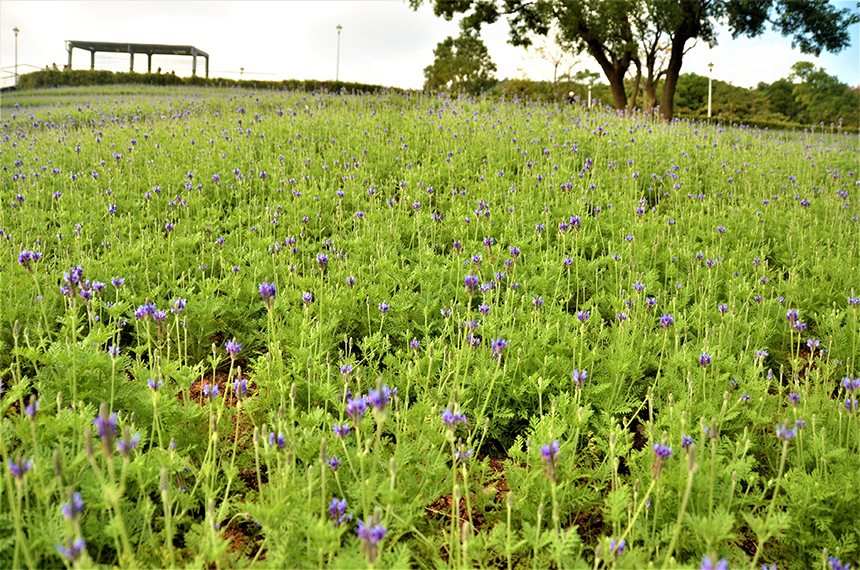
column 92, row 59
column 70, row 48
column 207, row 67
column 131, row 62
column 193, row 66
column 149, row 63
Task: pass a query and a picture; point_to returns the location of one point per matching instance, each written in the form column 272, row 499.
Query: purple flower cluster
column 337, row 510
column 267, row 292
column 26, row 257
column 579, row 377
column 661, row 454
column 549, row 454
column 451, row 419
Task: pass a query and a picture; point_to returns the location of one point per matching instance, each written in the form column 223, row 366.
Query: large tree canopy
column 461, row 64
column 619, row 33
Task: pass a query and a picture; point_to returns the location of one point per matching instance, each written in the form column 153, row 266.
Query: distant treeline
column 46, row 79
column 808, row 97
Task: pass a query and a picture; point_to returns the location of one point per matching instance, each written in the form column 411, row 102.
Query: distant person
column 54, row 67
column 158, row 70
column 570, row 98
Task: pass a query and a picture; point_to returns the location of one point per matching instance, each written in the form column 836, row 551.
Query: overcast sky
column 383, row 42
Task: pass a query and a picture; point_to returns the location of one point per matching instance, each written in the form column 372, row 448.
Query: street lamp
column 710, row 81
column 16, row 30
column 337, row 69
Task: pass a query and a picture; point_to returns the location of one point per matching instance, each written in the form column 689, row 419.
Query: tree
column 607, row 30
column 460, row 64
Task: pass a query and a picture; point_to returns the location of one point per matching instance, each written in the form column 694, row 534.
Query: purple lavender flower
column 666, row 320
column 106, row 425
column 233, row 348
column 350, row 281
column 384, row 307
column 127, row 444
column 579, row 377
column 794, row 398
column 723, row 564
column 355, row 409
column 31, row 408
column 537, row 302
column 69, row 510
column 145, row 311
column 854, row 301
column 497, row 345
column 279, row 439
column 322, row 260
column 178, row 305
column 483, row 308
column 371, row 535
column 379, row 398
column 414, row 343
column 549, row 454
column 337, row 510
column 792, row 315
column 73, row 552
column 582, row 316
column 307, row 298
column 26, row 257
column 346, row 369
column 20, row 468
column 850, row 385
column 240, row 388
column 836, row 564
column 723, row 308
column 333, row 462
column 471, row 282
column 451, row 419
column 617, row 549
column 761, row 355
column 117, row 281
column 459, row 456
column 661, row 453
column 704, row 359
column 267, row 292
column 686, row 441
column 341, row 430
column 784, row 433
column 153, row 385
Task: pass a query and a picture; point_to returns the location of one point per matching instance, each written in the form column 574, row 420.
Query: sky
column 382, row 42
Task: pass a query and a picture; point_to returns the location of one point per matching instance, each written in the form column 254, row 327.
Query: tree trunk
column 632, row 104
column 613, row 70
column 673, row 70
column 689, row 27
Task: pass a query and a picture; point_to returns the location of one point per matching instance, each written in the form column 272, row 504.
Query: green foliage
column 585, row 231
column 460, row 64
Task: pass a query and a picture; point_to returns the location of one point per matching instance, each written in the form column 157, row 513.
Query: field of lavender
column 276, row 329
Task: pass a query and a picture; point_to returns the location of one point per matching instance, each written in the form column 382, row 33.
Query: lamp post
column 710, row 81
column 16, row 30
column 337, row 68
